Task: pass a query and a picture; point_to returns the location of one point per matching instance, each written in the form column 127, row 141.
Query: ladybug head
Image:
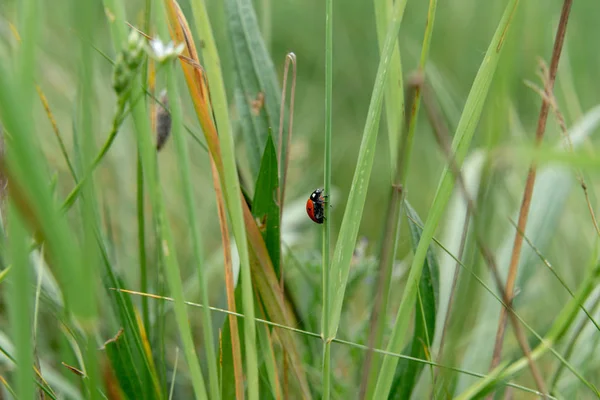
column 316, row 195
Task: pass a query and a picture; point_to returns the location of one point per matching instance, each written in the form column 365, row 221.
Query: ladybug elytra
column 315, row 206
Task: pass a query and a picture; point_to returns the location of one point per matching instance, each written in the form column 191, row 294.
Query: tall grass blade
column 84, row 23
column 394, row 88
column 258, row 95
column 344, row 248
column 19, row 301
column 326, row 258
column 462, row 140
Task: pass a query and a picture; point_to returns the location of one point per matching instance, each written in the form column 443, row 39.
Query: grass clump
column 155, row 202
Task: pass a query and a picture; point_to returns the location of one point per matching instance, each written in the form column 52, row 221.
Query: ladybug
column 315, row 206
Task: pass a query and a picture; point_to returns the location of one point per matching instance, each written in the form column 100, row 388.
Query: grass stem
column 326, row 333
column 531, row 175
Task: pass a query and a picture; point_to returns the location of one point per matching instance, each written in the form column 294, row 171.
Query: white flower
column 162, row 52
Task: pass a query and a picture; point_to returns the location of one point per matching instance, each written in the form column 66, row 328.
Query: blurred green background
column 561, row 223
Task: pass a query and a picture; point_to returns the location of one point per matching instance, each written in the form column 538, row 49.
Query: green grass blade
column 19, row 302
column 394, row 88
column 84, row 22
column 256, row 80
column 264, row 205
column 21, row 293
column 231, row 186
column 326, row 257
column 344, row 248
column 125, row 368
column 462, row 140
column 420, row 347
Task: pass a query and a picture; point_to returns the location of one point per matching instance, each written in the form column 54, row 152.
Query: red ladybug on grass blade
column 315, row 206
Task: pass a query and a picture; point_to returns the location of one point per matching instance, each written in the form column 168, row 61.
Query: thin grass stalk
column 462, row 139
column 398, row 190
column 55, row 129
column 555, row 273
column 325, row 270
column 231, row 187
column 531, row 175
column 290, row 58
column 141, row 226
column 317, row 335
column 140, row 210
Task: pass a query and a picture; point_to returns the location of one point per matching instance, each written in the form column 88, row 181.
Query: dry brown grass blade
column 531, row 175
column 263, row 274
column 197, row 85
